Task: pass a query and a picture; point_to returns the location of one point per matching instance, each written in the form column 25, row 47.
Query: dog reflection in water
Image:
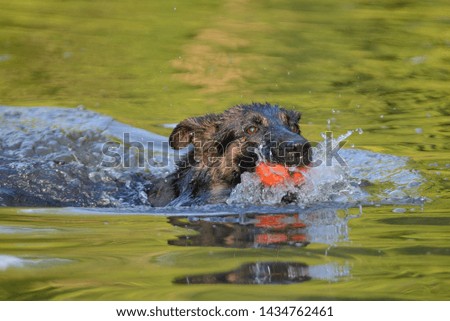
column 322, row 226
column 243, row 232
column 247, row 231
column 255, row 273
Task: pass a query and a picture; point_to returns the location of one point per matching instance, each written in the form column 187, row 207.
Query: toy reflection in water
column 261, row 230
column 242, row 232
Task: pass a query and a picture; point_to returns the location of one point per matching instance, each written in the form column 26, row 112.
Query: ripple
column 9, row 261
column 24, row 230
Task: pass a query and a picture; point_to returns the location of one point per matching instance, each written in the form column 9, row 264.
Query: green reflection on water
column 382, row 66
column 127, row 257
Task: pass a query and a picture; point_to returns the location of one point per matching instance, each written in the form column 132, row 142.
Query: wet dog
column 223, row 146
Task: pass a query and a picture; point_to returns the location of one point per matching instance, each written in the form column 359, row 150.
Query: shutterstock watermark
column 128, row 153
column 331, row 151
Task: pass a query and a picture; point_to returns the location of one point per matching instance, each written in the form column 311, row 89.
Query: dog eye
column 295, row 129
column 251, row 130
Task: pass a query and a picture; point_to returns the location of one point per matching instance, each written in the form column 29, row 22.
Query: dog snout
column 293, row 146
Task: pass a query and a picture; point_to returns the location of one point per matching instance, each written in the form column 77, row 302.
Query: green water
column 382, row 66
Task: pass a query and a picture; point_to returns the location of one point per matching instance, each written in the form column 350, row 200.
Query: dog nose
column 297, row 152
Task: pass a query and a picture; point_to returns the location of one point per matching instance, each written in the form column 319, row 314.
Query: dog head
column 244, row 135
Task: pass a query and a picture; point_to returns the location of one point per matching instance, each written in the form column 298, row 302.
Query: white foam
column 336, row 182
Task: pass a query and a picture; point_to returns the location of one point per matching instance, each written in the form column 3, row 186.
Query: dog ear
column 294, row 116
column 194, row 129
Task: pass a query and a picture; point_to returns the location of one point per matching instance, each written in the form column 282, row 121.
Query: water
column 55, row 157
column 374, row 229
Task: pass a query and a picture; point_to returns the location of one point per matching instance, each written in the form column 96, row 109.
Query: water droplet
column 418, row 60
column 399, row 210
column 419, row 130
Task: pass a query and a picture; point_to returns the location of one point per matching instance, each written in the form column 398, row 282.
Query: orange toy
column 275, row 174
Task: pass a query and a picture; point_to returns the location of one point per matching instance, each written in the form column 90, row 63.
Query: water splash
column 322, row 184
column 336, row 182
column 55, row 154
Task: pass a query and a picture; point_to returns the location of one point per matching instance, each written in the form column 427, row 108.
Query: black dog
column 225, row 146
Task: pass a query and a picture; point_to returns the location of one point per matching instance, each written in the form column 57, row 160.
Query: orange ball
column 276, row 174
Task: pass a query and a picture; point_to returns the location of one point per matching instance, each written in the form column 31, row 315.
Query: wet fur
column 222, row 150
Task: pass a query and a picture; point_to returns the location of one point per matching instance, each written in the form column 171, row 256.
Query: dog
column 223, row 146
